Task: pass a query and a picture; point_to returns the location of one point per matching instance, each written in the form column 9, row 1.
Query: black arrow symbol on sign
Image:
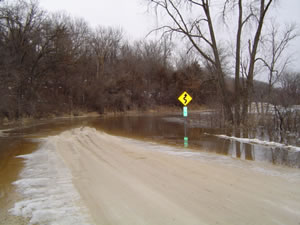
column 184, row 98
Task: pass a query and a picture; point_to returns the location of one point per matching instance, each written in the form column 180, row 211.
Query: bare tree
column 21, row 29
column 253, row 48
column 200, row 33
column 40, row 52
column 106, row 43
column 55, row 63
column 286, row 103
column 242, row 21
column 199, row 29
column 275, row 58
column 255, row 16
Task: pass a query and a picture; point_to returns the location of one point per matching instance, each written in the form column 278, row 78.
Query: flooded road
column 169, row 129
column 21, row 141
column 163, row 129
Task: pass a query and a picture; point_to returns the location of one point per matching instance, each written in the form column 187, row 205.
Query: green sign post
column 185, row 111
column 185, row 99
column 186, row 142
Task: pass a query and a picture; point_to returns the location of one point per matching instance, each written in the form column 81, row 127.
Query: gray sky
column 132, row 15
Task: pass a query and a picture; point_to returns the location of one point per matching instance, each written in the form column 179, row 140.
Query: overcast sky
column 132, row 15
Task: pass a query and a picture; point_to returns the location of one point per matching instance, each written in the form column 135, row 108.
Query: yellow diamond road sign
column 185, row 98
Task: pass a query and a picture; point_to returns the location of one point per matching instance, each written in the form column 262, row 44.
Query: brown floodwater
column 164, row 129
column 170, row 130
column 10, row 167
column 20, row 141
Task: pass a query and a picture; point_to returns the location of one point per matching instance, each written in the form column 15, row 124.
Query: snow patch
column 289, row 174
column 260, row 142
column 3, row 133
column 50, row 197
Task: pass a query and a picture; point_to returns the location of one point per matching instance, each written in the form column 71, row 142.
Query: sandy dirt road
column 125, row 182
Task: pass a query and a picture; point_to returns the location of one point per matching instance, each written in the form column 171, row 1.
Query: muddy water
column 169, row 129
column 165, row 129
column 10, row 167
column 20, row 141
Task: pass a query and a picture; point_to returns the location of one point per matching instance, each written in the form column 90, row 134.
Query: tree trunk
column 237, row 93
column 249, row 88
column 218, row 66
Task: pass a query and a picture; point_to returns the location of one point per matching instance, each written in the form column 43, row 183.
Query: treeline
column 53, row 63
column 255, row 44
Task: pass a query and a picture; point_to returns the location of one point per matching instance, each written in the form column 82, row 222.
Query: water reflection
column 169, row 129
